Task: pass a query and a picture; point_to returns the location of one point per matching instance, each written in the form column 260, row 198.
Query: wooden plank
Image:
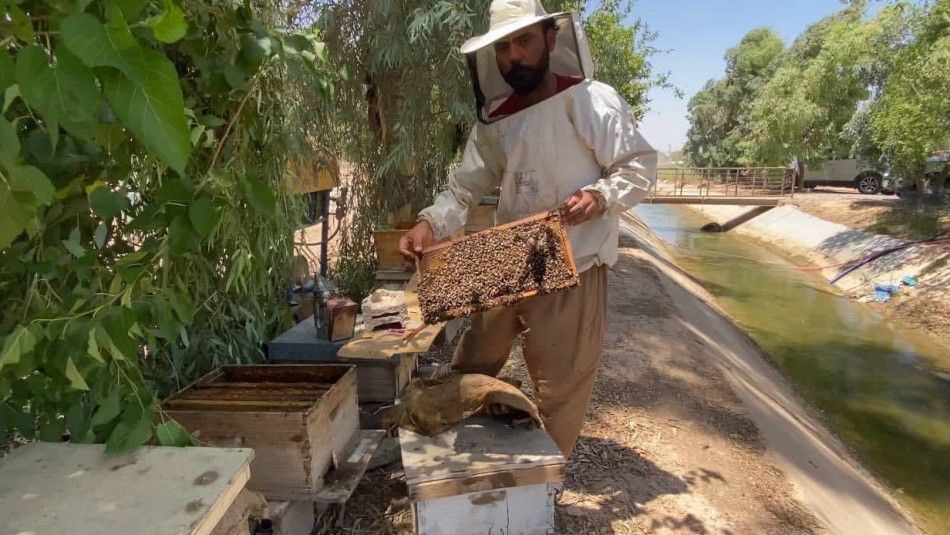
column 527, row 510
column 339, row 484
column 732, row 201
column 292, row 518
column 487, row 481
column 250, row 508
column 285, row 373
column 481, row 217
column 238, row 405
column 50, row 488
column 331, row 427
column 478, row 454
column 387, row 250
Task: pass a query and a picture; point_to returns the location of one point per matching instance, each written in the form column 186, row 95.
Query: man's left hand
column 580, row 207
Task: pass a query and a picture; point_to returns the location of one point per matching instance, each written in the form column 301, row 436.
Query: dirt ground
column 909, row 217
column 668, row 447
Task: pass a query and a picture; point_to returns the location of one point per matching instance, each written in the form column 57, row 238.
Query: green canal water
column 883, row 387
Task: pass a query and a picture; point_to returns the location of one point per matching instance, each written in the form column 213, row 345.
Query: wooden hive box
column 296, row 417
column 378, row 380
column 496, row 267
column 498, row 479
column 481, row 217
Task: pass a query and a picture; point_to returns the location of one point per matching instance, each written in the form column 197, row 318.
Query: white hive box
column 482, row 477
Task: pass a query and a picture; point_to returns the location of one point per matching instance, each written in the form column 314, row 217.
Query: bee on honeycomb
column 496, row 267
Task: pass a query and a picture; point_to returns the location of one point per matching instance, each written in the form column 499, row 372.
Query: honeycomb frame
column 500, row 266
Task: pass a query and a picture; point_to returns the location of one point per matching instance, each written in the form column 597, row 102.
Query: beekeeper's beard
column 526, row 78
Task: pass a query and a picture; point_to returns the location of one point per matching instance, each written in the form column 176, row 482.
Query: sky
column 697, row 34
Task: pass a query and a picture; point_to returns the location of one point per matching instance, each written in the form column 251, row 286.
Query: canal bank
column 876, row 383
column 812, row 242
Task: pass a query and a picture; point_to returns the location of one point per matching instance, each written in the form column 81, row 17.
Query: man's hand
column 580, row 207
column 416, row 240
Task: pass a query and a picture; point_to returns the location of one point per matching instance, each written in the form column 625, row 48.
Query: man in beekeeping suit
column 550, row 137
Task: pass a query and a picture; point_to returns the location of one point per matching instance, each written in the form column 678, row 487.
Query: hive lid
column 479, row 454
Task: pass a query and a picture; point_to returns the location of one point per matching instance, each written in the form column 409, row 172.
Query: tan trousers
column 563, row 341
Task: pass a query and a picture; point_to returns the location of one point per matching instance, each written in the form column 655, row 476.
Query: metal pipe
column 324, row 233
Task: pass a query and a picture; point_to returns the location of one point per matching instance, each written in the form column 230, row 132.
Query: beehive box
column 496, row 267
column 481, row 217
column 296, row 417
column 500, row 479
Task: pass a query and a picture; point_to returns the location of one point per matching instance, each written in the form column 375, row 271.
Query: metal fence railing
column 724, row 182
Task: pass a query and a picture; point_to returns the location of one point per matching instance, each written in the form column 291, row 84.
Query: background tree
column 719, row 113
column 911, row 117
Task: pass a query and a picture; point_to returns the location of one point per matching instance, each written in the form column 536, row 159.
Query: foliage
column 719, row 113
column 912, row 116
column 849, row 86
column 406, row 110
column 813, row 93
column 145, row 213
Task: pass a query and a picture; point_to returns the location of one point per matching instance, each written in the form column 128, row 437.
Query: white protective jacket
column 581, row 138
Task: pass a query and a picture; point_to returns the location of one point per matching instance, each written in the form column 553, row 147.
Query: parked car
column 845, row 173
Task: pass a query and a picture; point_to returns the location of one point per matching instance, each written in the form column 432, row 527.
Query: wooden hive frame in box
column 534, row 250
column 296, row 417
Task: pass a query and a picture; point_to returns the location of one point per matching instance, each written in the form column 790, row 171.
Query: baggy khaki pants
column 563, row 341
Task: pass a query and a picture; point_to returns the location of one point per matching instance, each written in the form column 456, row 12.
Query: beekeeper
column 551, row 138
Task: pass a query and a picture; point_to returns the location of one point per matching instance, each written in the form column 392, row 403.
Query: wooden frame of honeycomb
column 500, row 266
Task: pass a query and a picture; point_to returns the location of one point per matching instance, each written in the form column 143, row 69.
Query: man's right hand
column 416, row 240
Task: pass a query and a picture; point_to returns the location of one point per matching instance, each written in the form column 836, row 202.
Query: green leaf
column 75, row 378
column 21, row 25
column 171, row 433
column 181, row 236
column 52, row 431
column 145, row 96
column 118, row 339
column 108, row 204
column 7, row 76
column 9, row 96
column 100, row 235
column 204, row 215
column 16, row 215
column 296, row 43
column 9, row 145
column 171, row 25
column 183, row 305
column 130, row 9
column 92, row 347
column 154, row 110
column 77, row 421
column 66, row 93
column 73, row 246
column 254, row 50
column 321, row 51
column 99, row 45
column 29, row 179
column 132, row 431
column 41, row 146
column 108, row 410
column 259, row 195
column 15, row 345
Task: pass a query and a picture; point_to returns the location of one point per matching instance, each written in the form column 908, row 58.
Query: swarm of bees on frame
column 495, row 267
